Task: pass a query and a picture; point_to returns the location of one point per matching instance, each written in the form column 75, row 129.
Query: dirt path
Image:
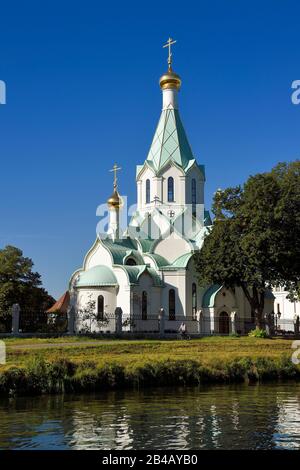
column 55, row 345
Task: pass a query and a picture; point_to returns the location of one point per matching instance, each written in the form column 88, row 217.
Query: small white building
column 150, row 267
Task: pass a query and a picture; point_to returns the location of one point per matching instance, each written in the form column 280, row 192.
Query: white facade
column 152, row 267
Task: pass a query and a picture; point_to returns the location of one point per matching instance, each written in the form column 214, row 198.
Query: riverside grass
column 102, row 364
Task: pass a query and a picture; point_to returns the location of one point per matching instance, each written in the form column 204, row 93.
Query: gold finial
column 169, row 43
column 115, row 168
column 170, row 79
column 115, row 201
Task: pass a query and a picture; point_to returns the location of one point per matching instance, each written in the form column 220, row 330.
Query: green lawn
column 126, row 352
column 37, row 366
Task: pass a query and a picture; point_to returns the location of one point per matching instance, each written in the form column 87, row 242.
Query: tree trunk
column 256, row 299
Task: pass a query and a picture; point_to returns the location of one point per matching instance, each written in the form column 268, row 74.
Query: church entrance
column 224, row 323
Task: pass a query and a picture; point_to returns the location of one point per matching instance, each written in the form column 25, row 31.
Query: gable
column 172, row 247
column 97, row 255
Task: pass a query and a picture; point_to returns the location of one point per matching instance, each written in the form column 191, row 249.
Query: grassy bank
column 100, row 365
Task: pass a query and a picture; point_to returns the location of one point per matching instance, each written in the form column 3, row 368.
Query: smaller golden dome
column 115, row 201
column 170, row 79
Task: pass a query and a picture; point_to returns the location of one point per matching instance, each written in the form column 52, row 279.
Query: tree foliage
column 254, row 242
column 20, row 284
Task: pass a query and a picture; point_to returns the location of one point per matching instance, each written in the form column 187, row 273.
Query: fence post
column 15, row 326
column 71, row 321
column 161, row 322
column 296, row 325
column 233, row 322
column 118, row 315
column 200, row 321
column 269, row 325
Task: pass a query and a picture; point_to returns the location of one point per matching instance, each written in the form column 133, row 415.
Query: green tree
column 19, row 284
column 254, row 240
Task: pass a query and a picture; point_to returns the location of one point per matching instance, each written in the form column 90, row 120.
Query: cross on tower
column 156, row 199
column 169, row 43
column 115, row 168
column 171, row 214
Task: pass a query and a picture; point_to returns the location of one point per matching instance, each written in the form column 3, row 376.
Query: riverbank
column 81, row 366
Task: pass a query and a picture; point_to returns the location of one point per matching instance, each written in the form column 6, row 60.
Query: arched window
column 171, row 304
column 194, row 301
column 144, row 305
column 194, row 197
column 170, row 189
column 147, row 191
column 100, row 307
column 130, row 262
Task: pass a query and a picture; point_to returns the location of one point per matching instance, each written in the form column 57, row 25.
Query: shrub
column 258, row 333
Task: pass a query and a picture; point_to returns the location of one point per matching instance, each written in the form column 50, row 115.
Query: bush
column 60, row 375
column 258, row 333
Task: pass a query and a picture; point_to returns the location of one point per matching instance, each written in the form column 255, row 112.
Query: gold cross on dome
column 115, row 168
column 169, row 43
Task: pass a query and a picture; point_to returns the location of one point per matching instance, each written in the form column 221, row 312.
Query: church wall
column 287, row 308
column 123, row 297
column 194, row 173
column 147, row 174
column 226, row 300
column 191, row 277
column 153, row 304
column 174, row 280
column 149, row 260
column 85, row 295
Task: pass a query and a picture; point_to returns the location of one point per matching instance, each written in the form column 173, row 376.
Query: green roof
column 146, row 244
column 121, row 249
column 96, row 277
column 170, row 142
column 159, row 260
column 210, row 294
column 134, row 273
column 182, row 261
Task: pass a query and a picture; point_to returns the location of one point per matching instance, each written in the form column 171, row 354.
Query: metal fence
column 30, row 322
column 5, row 322
column 42, row 322
column 200, row 326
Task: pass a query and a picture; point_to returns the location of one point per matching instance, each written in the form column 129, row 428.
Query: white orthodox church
column 149, row 266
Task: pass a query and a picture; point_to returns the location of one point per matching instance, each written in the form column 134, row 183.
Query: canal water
column 219, row 417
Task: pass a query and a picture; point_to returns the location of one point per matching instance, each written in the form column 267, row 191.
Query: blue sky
column 82, row 92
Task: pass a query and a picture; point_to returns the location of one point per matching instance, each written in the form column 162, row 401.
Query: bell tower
column 170, row 178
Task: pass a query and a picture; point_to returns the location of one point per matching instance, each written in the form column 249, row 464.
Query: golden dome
column 170, row 79
column 115, row 201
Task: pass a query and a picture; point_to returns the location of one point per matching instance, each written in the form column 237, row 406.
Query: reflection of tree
column 228, row 417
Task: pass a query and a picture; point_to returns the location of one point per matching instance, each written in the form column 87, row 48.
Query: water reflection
column 262, row 416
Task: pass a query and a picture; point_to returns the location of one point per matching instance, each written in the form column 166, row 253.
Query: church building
column 149, row 266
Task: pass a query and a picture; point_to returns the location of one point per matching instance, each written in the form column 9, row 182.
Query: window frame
column 194, row 301
column 148, row 191
column 100, row 311
column 171, row 185
column 194, row 196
